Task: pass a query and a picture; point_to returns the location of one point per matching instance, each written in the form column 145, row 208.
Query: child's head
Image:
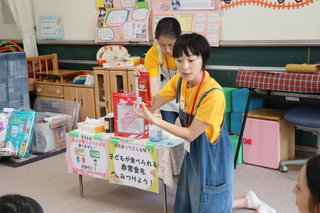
column 308, row 188
column 194, row 44
column 19, row 204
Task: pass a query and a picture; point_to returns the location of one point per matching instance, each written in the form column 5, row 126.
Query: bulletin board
column 119, row 21
column 201, row 16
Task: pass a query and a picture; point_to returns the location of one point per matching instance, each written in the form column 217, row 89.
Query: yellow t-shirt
column 211, row 109
column 152, row 62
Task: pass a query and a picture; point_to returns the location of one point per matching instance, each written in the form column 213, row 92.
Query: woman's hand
column 140, row 68
column 143, row 112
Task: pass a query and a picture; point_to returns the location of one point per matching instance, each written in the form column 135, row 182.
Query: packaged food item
column 20, row 131
column 126, row 122
column 7, row 150
column 109, row 122
column 4, row 119
column 143, row 89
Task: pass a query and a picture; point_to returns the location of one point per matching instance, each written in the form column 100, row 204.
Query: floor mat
column 33, row 157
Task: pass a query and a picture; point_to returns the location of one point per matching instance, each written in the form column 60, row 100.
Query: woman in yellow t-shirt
column 206, row 176
column 160, row 64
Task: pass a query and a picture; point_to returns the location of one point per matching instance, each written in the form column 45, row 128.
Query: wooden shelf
column 108, row 81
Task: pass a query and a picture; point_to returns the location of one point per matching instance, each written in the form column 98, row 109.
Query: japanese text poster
column 51, row 27
column 134, row 166
column 202, row 16
column 122, row 20
column 87, row 155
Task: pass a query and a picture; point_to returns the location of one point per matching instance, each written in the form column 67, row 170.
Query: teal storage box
column 235, row 122
column 239, row 101
column 227, row 121
column 228, row 96
column 234, row 141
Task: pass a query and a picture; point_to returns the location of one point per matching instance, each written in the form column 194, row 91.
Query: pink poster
column 201, row 16
column 87, row 154
column 122, row 21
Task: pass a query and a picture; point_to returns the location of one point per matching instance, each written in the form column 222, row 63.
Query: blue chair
column 306, row 118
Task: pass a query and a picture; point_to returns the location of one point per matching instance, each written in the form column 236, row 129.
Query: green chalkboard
column 228, row 56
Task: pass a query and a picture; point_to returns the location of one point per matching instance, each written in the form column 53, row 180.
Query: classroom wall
column 239, row 19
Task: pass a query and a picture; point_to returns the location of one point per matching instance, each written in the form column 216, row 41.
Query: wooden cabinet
column 59, row 86
column 84, row 96
column 108, row 81
column 54, row 91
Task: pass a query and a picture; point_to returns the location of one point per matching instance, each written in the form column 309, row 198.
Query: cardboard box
column 90, row 128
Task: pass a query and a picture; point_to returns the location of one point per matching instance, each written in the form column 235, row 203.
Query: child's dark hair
column 313, row 179
column 168, row 27
column 192, row 43
column 19, row 204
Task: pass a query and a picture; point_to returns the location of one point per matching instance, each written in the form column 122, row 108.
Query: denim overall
column 206, row 176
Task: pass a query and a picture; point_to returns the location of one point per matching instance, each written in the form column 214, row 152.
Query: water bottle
column 155, row 133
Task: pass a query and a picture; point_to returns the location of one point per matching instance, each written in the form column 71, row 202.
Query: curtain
column 23, row 15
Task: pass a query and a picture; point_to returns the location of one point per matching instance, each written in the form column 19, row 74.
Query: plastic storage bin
column 59, row 106
column 51, row 135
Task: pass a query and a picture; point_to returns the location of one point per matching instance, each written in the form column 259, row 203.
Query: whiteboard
column 78, row 17
column 270, row 20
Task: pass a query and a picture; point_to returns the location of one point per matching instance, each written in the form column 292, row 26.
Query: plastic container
column 59, row 106
column 155, row 133
column 51, row 135
column 136, row 60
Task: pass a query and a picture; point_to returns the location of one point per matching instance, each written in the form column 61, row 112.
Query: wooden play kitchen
column 108, row 81
column 57, row 84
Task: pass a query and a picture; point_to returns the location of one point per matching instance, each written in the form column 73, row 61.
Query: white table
column 169, row 159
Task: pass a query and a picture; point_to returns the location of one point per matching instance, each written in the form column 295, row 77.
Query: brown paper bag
column 303, row 68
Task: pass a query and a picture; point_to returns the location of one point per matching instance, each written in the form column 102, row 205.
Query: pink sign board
column 87, row 154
